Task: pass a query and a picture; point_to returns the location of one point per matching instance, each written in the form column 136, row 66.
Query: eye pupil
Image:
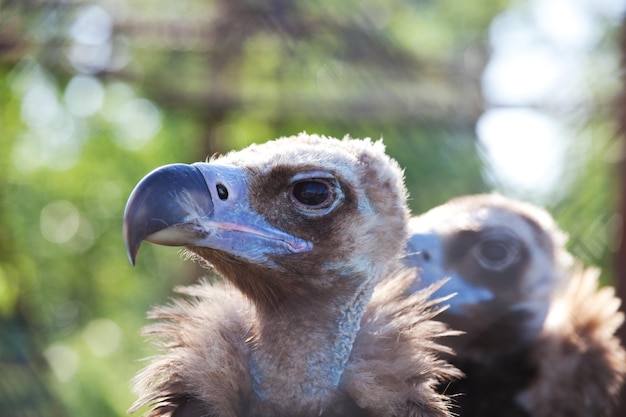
column 222, row 192
column 311, row 193
column 494, row 251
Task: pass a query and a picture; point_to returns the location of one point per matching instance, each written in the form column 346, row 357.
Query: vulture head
column 303, row 229
column 504, row 260
column 293, row 218
column 539, row 333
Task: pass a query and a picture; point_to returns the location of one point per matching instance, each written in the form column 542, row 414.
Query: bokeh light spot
column 93, row 25
column 523, row 151
column 138, row 120
column 84, row 95
column 63, row 360
column 103, row 336
column 59, row 221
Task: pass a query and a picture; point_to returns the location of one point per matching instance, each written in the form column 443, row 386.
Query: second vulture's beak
column 425, row 251
column 203, row 205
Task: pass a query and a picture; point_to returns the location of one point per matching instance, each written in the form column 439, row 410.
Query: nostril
column 426, row 255
column 222, row 192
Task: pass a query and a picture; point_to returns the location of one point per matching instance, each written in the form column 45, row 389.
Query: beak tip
column 130, row 242
column 131, row 252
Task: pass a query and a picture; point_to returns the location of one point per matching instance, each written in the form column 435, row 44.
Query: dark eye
column 312, row 193
column 497, row 254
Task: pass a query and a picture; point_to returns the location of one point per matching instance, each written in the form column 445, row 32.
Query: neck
column 302, row 346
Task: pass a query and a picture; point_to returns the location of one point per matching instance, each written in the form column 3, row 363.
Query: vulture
column 539, row 336
column 314, row 314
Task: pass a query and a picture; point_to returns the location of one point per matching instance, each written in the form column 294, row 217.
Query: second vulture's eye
column 497, row 252
column 494, row 251
column 312, row 193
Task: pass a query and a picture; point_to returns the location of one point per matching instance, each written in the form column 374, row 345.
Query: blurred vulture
column 314, row 316
column 540, row 335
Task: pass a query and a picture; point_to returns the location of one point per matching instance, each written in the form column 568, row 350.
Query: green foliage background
column 208, row 76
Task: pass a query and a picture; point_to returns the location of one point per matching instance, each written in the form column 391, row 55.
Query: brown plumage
column 540, row 335
column 315, row 317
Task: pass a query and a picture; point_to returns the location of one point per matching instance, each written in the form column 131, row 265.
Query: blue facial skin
column 425, row 251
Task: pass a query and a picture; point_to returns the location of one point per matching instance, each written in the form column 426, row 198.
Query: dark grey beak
column 425, row 251
column 155, row 204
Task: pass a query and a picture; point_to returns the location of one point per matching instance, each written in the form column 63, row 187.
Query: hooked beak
column 204, row 205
